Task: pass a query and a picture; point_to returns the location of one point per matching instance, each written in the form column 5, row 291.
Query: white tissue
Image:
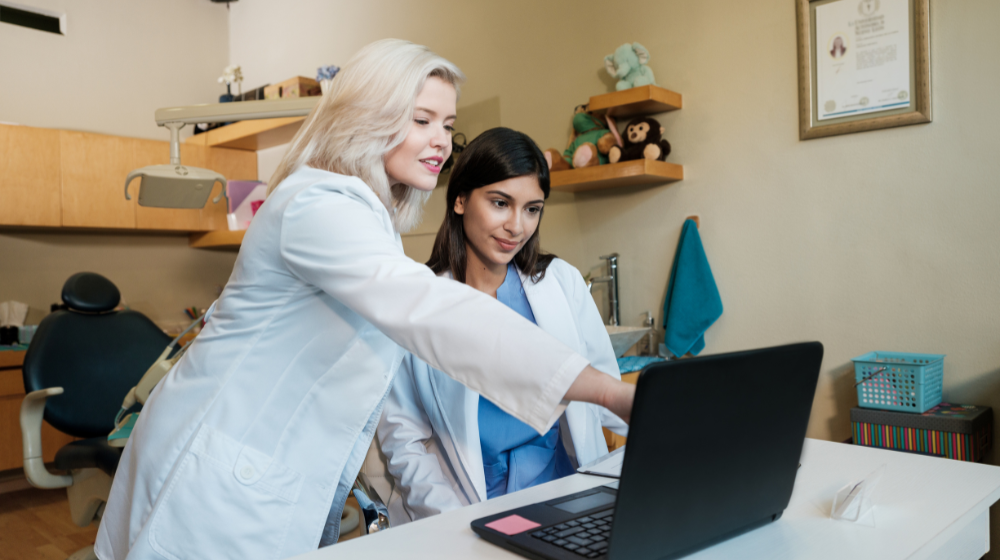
column 13, row 314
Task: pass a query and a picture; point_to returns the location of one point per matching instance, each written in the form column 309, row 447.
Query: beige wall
column 885, row 240
column 157, row 275
column 118, row 63
column 527, row 67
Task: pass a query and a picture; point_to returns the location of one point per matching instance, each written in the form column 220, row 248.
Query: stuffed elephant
column 628, row 64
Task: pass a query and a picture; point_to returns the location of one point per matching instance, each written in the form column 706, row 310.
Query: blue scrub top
column 514, row 455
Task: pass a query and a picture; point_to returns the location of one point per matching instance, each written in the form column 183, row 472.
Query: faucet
column 614, row 319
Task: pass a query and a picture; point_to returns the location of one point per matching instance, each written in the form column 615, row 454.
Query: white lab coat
column 429, row 431
column 243, row 447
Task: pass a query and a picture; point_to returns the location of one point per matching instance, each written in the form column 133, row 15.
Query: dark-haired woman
column 446, row 446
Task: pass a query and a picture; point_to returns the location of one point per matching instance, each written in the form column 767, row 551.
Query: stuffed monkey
column 643, row 138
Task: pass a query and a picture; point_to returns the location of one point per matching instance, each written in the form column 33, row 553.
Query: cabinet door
column 235, row 165
column 94, row 167
column 29, row 176
column 152, row 152
column 11, row 449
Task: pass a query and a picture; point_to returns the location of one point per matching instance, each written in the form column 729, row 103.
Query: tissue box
column 245, row 197
column 955, row 431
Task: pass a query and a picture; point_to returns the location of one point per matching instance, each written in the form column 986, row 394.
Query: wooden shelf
column 250, row 135
column 616, row 175
column 219, row 239
column 642, row 100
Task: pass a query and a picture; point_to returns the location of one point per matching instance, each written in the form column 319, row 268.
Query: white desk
column 926, row 508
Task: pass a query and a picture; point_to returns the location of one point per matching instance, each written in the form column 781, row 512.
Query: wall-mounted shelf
column 250, row 135
column 642, row 100
column 616, row 175
column 219, row 239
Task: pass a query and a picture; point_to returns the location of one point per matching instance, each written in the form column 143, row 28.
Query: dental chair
column 80, row 365
column 78, row 368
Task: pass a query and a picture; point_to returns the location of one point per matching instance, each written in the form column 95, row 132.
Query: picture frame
column 919, row 108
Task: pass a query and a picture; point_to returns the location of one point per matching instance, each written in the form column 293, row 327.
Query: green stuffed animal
column 589, row 145
column 628, row 64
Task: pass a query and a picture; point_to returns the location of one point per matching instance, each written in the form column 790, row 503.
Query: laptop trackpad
column 585, row 503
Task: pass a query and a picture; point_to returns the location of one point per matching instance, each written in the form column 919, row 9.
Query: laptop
column 713, row 448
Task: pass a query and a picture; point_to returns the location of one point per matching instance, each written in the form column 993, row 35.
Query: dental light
column 179, row 186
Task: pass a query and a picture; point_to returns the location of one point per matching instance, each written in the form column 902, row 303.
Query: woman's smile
column 433, row 164
column 507, row 246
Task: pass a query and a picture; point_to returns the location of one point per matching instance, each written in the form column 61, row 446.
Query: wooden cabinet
column 65, row 178
column 235, row 165
column 11, row 395
column 94, row 167
column 252, row 135
column 614, row 440
column 30, row 182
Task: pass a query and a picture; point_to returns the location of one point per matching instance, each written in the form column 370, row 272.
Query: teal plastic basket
column 899, row 381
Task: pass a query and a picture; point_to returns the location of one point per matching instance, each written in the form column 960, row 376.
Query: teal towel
column 629, row 364
column 693, row 301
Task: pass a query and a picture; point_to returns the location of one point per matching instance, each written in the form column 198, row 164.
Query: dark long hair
column 495, row 155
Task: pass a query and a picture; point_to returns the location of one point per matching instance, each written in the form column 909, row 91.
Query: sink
column 623, row 338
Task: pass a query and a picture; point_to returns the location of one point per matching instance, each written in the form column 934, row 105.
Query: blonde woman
column 252, row 441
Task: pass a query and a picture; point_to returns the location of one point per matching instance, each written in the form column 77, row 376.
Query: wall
column 876, row 241
column 530, row 71
column 157, row 275
column 117, row 64
column 884, row 240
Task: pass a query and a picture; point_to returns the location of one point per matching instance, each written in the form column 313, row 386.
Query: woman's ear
column 460, row 204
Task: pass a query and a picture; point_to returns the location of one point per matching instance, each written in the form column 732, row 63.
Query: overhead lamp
column 178, row 186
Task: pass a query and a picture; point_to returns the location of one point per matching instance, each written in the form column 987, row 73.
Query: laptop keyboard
column 587, row 536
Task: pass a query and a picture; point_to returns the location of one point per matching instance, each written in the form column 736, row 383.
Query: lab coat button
column 246, row 472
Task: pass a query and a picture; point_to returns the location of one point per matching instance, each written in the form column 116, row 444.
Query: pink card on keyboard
column 512, row 525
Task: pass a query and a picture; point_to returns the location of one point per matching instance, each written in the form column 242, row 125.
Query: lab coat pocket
column 225, row 499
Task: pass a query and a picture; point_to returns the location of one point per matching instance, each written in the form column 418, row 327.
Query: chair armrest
column 374, row 512
column 32, row 411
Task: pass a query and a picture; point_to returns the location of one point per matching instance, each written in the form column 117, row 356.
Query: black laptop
column 712, row 452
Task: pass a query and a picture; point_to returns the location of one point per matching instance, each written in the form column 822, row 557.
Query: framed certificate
column 863, row 65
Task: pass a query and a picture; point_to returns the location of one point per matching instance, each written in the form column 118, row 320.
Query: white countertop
column 926, row 507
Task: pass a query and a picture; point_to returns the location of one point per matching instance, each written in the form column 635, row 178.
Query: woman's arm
column 334, row 239
column 403, row 432
column 597, row 344
column 599, row 388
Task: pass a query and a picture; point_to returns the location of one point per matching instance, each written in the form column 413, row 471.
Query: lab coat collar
column 457, row 403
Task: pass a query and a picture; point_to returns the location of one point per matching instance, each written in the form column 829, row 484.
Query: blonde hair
column 366, row 114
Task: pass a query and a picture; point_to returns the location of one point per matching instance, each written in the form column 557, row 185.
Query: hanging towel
column 693, row 301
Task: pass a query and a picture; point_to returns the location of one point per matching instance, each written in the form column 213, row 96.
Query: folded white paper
column 610, row 465
column 854, row 502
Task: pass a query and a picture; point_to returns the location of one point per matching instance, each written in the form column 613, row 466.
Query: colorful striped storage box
column 955, row 431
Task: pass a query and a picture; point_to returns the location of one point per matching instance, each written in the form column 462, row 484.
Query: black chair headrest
column 90, row 292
